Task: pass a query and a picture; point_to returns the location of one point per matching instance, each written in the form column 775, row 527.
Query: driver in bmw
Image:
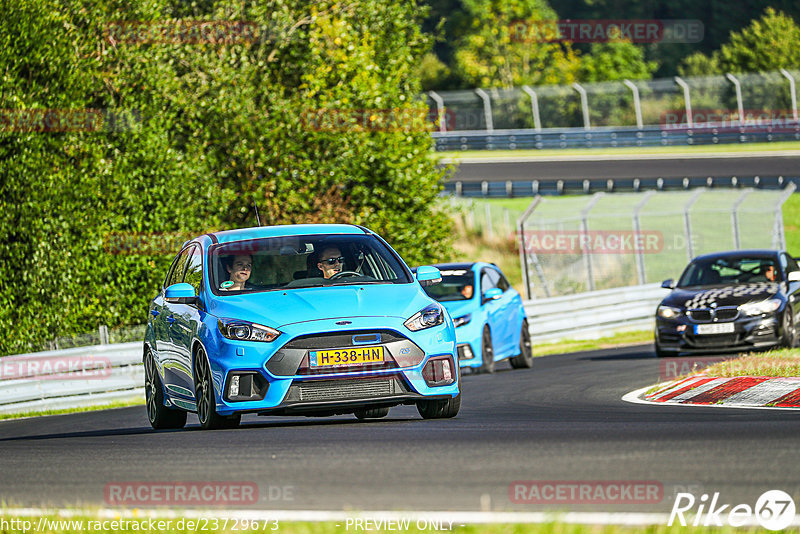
column 330, row 262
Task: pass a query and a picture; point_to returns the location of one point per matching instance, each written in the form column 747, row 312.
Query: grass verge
column 773, row 363
column 622, row 339
column 40, row 413
column 697, row 149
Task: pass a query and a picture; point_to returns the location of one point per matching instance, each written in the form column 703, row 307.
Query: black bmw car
column 731, row 301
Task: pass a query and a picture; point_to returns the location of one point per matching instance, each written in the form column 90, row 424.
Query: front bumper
column 749, row 333
column 293, row 387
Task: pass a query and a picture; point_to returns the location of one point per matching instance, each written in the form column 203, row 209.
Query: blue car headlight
column 431, row 315
column 246, row 331
column 461, row 321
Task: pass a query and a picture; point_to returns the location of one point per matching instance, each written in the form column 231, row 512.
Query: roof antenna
column 258, row 219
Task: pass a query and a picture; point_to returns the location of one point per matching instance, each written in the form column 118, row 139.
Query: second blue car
column 490, row 320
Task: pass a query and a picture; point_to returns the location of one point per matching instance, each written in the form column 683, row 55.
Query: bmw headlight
column 757, row 308
column 461, row 321
column 246, row 331
column 427, row 317
column 668, row 312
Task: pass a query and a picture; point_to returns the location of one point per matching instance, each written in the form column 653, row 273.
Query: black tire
column 205, row 399
column 439, row 409
column 524, row 360
column 657, row 349
column 159, row 415
column 487, row 352
column 789, row 337
column 372, row 413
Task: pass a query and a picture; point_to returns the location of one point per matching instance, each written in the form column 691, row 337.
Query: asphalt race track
column 563, row 420
column 626, row 166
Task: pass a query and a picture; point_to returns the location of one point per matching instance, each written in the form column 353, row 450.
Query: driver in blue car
column 330, row 262
column 239, row 269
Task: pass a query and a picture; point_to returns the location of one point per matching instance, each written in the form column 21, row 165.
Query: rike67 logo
column 774, row 510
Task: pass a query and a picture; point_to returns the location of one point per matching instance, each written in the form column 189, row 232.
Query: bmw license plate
column 351, row 356
column 715, row 328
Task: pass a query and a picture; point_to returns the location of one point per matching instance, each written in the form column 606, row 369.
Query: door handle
column 154, row 313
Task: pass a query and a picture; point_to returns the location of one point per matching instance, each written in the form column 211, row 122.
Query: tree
column 767, row 44
column 503, row 46
column 612, row 61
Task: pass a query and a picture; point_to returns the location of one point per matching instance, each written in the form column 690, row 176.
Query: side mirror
column 793, row 276
column 668, row 284
column 180, row 294
column 427, row 275
column 492, row 294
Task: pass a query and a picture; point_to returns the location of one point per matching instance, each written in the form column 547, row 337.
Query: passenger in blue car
column 239, row 268
column 467, row 291
column 330, row 261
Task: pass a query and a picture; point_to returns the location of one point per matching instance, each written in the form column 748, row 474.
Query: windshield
column 456, row 284
column 302, row 261
column 728, row 271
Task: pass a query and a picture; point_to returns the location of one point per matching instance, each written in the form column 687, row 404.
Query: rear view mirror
column 668, row 284
column 427, row 275
column 180, row 294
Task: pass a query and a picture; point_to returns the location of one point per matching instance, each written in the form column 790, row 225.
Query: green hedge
column 207, row 128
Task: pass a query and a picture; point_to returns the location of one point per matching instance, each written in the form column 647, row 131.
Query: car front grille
column 345, row 389
column 706, row 315
column 715, row 340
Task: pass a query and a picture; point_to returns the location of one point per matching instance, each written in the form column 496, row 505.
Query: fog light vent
column 246, row 386
column 439, row 371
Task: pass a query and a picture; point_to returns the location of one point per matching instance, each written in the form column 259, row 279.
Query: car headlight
column 464, row 319
column 757, row 308
column 668, row 312
column 427, row 317
column 246, row 331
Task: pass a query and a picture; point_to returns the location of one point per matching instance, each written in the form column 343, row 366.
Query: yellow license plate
column 351, row 356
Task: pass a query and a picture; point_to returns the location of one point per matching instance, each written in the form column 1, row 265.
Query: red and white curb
column 736, row 392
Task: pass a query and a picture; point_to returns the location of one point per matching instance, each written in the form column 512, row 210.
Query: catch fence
column 572, row 245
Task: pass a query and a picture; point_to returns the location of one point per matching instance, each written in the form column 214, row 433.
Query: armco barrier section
column 71, row 378
column 116, row 372
column 594, row 314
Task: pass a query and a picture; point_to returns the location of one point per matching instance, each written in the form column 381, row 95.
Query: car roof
column 258, row 232
column 739, row 254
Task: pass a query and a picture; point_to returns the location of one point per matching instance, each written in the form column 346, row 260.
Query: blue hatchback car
column 490, row 320
column 312, row 320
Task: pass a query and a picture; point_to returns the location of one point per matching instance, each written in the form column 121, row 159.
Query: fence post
column 637, row 105
column 523, row 254
column 587, row 257
column 103, row 334
column 487, row 109
column 488, row 213
column 687, row 100
column 789, row 77
column 779, row 237
column 687, row 223
column 735, row 219
column 439, row 109
column 537, row 124
column 739, row 104
column 637, row 230
column 584, row 105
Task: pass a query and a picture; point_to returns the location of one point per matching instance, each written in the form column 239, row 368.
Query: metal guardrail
column 594, row 314
column 527, row 188
column 70, row 378
column 605, row 137
column 103, row 374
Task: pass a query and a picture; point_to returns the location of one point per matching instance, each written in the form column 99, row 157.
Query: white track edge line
column 633, row 398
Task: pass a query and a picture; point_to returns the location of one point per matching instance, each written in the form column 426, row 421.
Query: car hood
column 284, row 307
column 734, row 295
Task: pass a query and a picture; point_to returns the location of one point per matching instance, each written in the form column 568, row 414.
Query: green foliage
column 215, row 126
column 613, row 61
column 767, row 44
column 499, row 48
